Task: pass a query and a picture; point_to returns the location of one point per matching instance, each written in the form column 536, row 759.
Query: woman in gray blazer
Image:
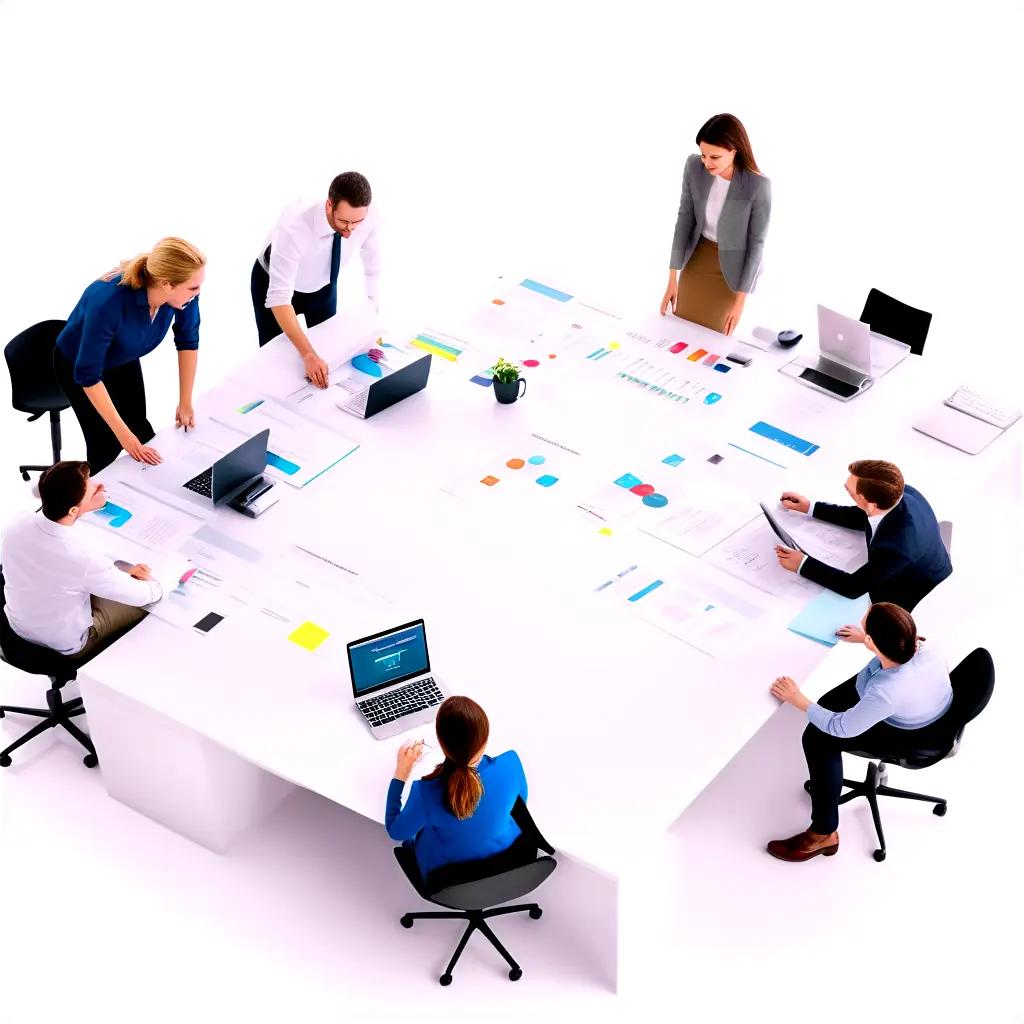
column 721, row 227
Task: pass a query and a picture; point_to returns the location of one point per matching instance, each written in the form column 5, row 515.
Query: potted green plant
column 506, row 380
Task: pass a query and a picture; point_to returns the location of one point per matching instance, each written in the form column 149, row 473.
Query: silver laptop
column 843, row 367
column 391, row 680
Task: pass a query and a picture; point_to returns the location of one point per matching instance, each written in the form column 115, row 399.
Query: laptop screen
column 845, row 340
column 388, row 658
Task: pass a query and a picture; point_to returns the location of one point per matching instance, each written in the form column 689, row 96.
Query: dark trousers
column 316, row 306
column 824, row 754
column 127, row 391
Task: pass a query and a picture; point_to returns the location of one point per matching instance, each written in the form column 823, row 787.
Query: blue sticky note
column 627, row 480
column 722, row 367
column 821, row 617
column 673, row 460
column 712, row 398
column 547, row 480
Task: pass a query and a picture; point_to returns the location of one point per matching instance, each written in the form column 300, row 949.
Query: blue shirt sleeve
column 403, row 822
column 186, row 326
column 101, row 323
column 872, row 708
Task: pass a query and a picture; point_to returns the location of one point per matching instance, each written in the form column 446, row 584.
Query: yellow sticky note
column 614, row 344
column 309, row 635
column 605, row 531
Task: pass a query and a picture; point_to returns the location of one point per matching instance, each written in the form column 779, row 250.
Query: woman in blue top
column 117, row 320
column 462, row 810
column 894, row 706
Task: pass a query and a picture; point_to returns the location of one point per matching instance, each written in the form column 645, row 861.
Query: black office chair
column 972, row 681
column 42, row 661
column 34, row 387
column 471, row 887
column 895, row 319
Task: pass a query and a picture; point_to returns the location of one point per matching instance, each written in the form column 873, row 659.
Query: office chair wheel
column 940, row 809
column 5, row 761
column 536, row 912
column 515, row 974
column 445, row 979
column 90, row 760
column 879, row 855
column 24, row 475
column 406, row 920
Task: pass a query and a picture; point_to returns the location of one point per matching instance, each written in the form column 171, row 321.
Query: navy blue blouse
column 110, row 326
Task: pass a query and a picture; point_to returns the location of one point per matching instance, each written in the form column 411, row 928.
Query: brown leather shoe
column 804, row 846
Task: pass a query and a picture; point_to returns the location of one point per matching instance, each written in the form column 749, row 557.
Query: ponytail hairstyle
column 462, row 731
column 892, row 630
column 172, row 259
column 727, row 131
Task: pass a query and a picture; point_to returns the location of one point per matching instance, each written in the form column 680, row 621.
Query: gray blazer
column 741, row 227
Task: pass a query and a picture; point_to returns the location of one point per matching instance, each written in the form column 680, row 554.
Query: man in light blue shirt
column 894, row 705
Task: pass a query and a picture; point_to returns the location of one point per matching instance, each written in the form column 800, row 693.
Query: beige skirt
column 703, row 297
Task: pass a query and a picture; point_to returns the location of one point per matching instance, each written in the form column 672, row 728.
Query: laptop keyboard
column 401, row 701
column 202, row 484
column 357, row 403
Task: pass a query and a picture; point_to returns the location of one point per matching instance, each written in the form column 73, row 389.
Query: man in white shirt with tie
column 297, row 270
column 59, row 591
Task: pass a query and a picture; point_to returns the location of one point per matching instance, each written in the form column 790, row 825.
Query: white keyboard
column 970, row 402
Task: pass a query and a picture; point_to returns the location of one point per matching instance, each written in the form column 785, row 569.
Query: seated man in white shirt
column 60, row 592
column 297, row 270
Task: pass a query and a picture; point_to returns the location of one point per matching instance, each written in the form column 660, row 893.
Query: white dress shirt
column 300, row 253
column 50, row 571
column 713, row 208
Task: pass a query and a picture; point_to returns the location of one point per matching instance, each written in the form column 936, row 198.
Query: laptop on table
column 843, row 367
column 391, row 680
column 237, row 478
column 386, row 391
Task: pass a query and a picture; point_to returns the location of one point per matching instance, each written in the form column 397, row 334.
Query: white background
column 530, row 136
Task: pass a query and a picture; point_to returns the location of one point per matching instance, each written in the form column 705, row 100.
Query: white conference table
column 205, row 734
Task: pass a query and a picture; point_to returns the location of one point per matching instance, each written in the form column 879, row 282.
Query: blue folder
column 820, row 618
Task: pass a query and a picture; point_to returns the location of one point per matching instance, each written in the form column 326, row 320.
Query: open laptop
column 843, row 367
column 237, row 478
column 391, row 681
column 386, row 391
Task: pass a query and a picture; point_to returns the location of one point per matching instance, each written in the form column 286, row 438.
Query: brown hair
column 462, row 731
column 62, row 487
column 352, row 187
column 878, row 482
column 727, row 131
column 172, row 259
column 892, row 630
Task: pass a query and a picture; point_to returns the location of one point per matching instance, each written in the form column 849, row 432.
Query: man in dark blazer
column 906, row 556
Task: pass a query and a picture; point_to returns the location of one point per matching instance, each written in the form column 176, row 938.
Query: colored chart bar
column 543, row 289
column 643, row 593
column 699, row 354
column 787, row 440
column 435, row 347
column 249, row 406
column 290, row 468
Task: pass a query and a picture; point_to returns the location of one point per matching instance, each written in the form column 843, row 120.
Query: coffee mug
column 508, row 393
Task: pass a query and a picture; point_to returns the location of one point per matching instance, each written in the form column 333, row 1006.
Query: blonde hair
column 172, row 259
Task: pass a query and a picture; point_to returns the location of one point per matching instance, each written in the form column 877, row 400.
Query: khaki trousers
column 110, row 621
